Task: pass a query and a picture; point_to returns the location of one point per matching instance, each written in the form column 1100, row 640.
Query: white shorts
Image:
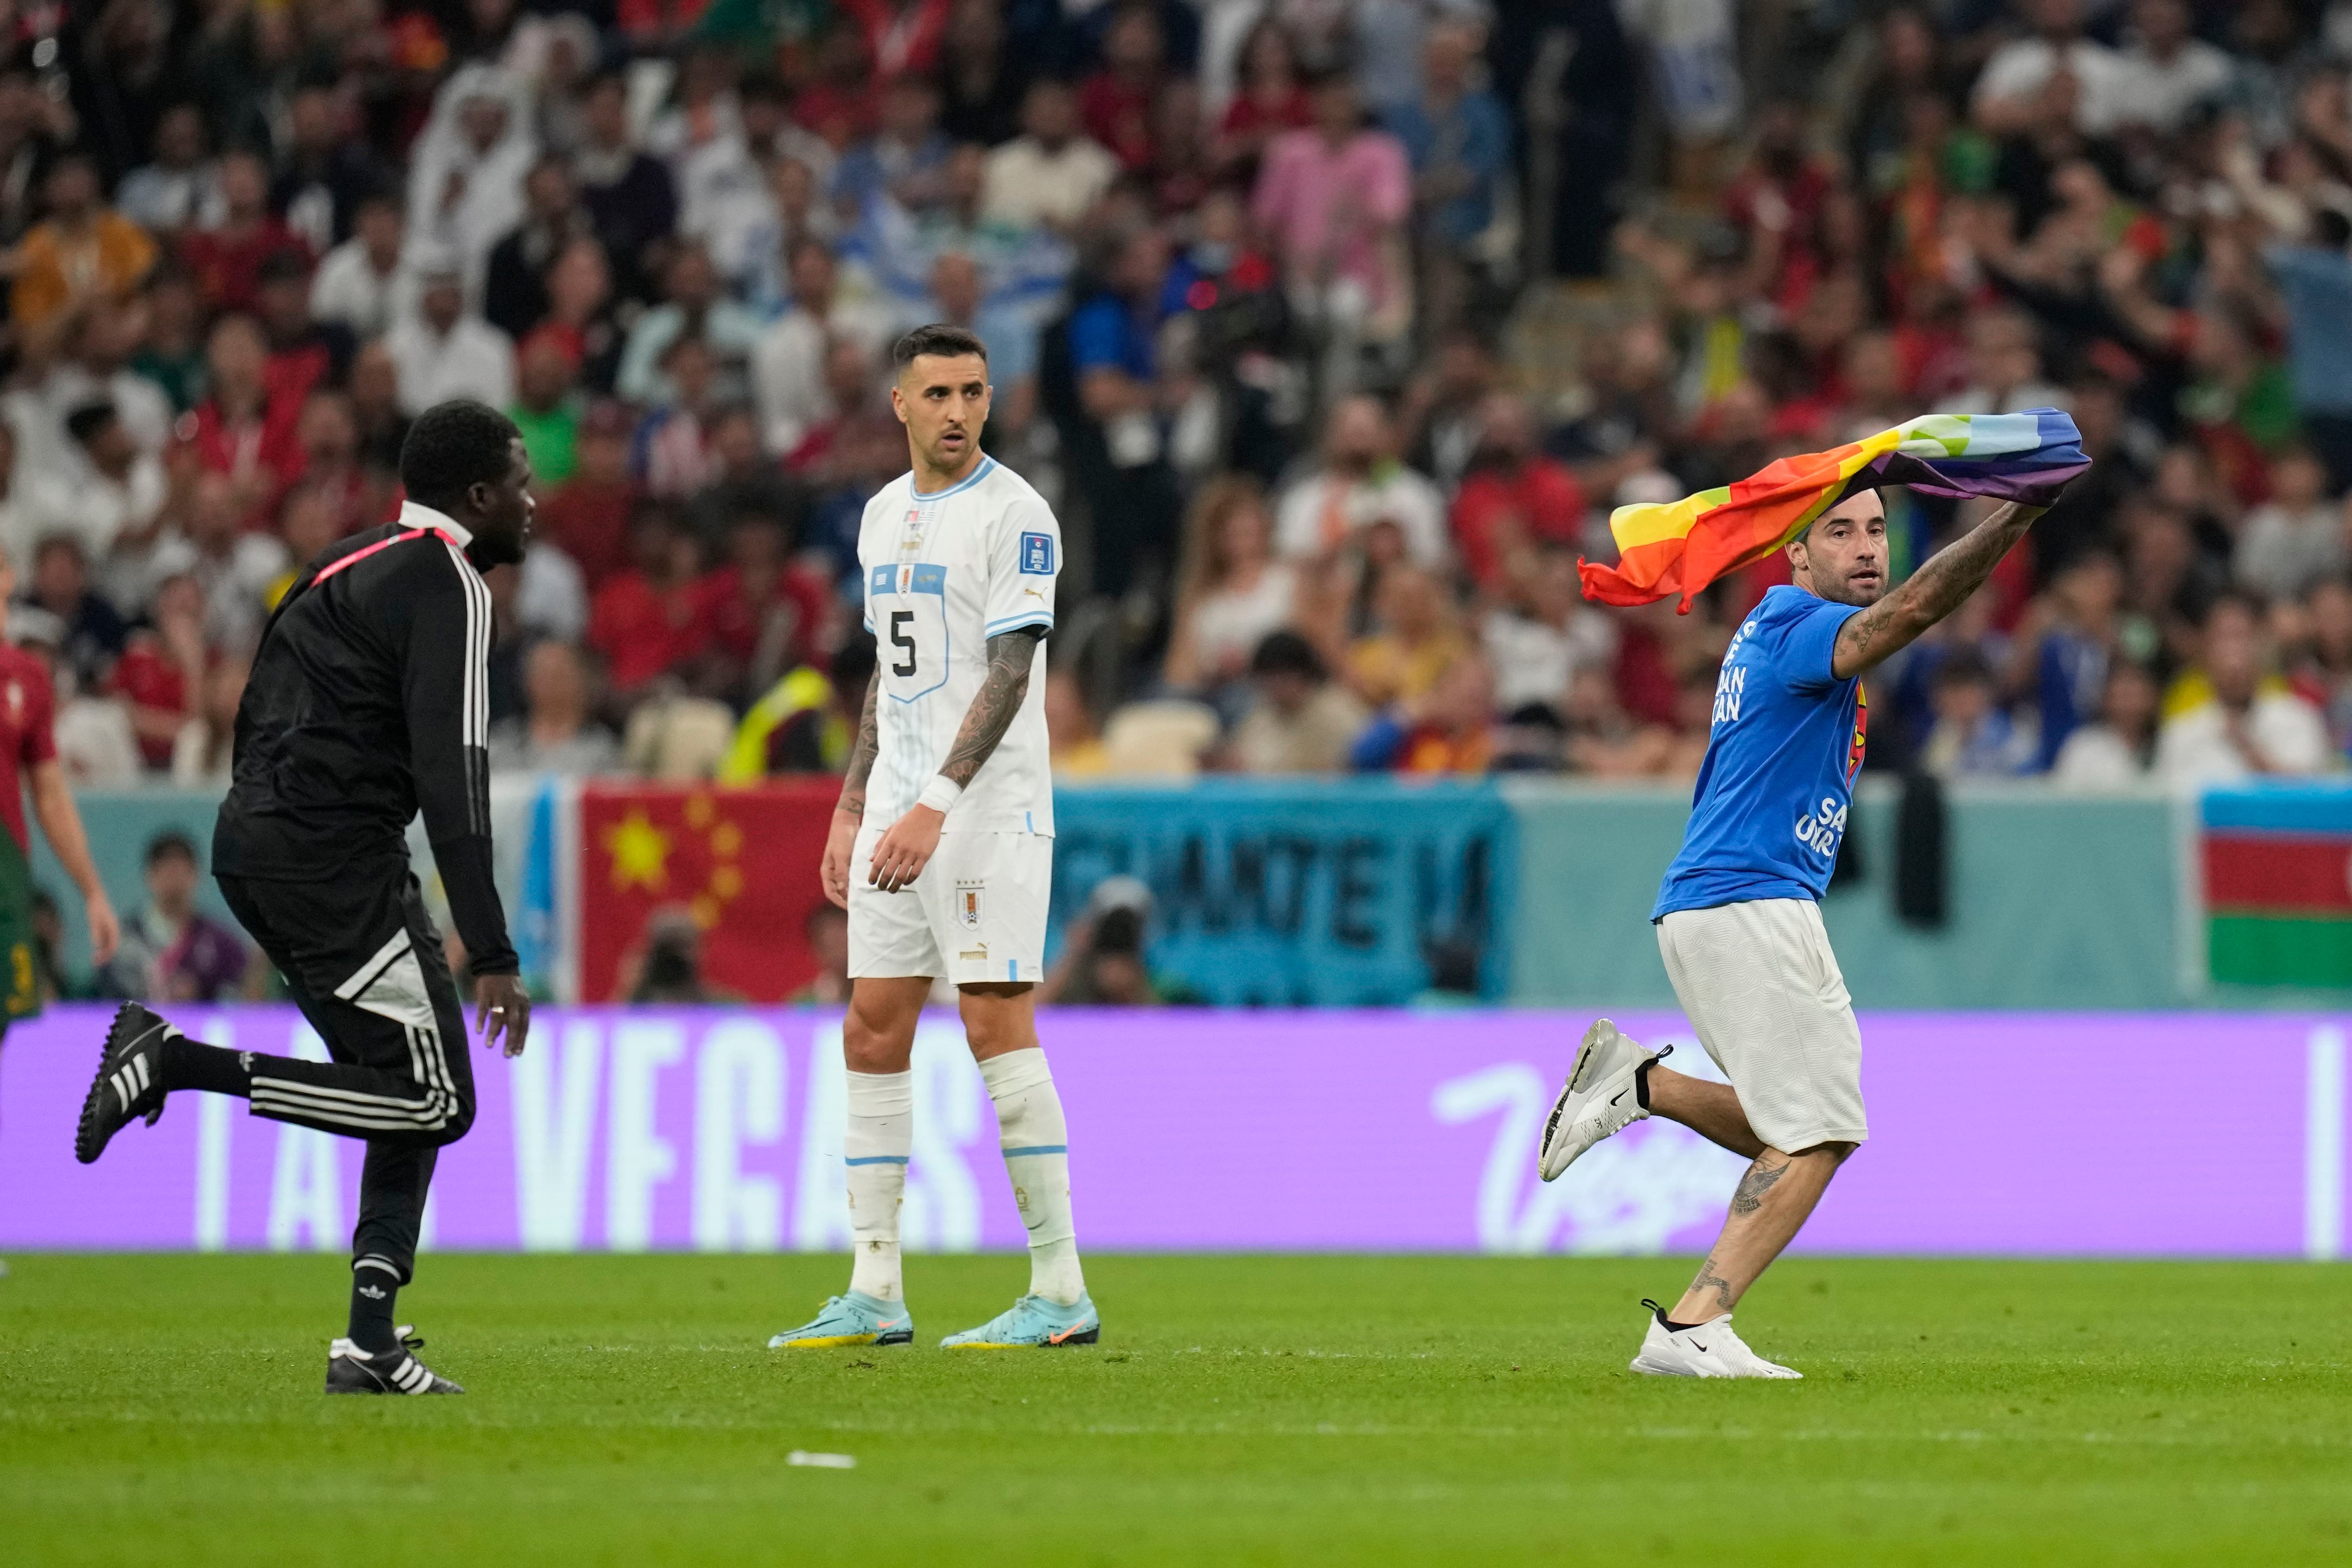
column 1759, row 982
column 976, row 912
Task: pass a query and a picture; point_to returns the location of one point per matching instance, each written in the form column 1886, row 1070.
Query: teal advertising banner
column 1307, row 892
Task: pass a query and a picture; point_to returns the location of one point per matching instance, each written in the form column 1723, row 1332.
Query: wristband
column 940, row 794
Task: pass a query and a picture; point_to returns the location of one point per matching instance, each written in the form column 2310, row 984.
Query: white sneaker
column 1702, row 1349
column 1600, row 1097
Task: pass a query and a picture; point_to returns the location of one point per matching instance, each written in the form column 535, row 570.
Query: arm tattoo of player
column 862, row 753
column 1933, row 591
column 1750, row 1197
column 1708, row 1279
column 1002, row 690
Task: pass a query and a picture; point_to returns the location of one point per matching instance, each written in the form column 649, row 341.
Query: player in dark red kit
column 368, row 703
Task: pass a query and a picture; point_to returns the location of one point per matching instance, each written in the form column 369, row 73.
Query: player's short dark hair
column 168, row 844
column 452, row 447
column 939, row 338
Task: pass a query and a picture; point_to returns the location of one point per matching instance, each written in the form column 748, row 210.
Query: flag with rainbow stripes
column 1679, row 547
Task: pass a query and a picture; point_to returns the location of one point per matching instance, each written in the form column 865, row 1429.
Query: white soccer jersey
column 944, row 574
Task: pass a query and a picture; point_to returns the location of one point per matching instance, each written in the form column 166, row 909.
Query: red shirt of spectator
column 650, row 619
column 900, row 39
column 760, row 611
column 27, row 737
column 1512, row 495
column 1116, row 102
column 227, row 260
column 587, row 516
column 242, row 429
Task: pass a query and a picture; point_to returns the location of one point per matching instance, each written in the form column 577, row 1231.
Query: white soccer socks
column 1036, row 1142
column 880, row 1134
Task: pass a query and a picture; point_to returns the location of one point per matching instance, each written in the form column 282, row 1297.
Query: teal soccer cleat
column 854, row 1319
column 1032, row 1323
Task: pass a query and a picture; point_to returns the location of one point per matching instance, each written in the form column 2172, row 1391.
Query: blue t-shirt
column 1782, row 755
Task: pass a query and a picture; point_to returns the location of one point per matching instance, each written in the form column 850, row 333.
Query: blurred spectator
column 1606, row 741
column 161, row 674
column 2295, row 539
column 1511, row 497
column 788, row 364
column 647, row 621
column 2074, row 637
column 905, row 160
column 1071, row 736
column 2053, row 73
column 588, row 514
column 106, row 491
column 205, row 748
column 232, row 567
column 629, row 194
column 2118, row 750
column 1102, row 963
column 227, row 257
column 181, row 189
column 765, row 617
column 304, row 352
column 805, row 722
column 1051, row 173
column 1333, row 199
column 1272, row 100
column 79, row 253
column 2322, row 666
column 959, row 298
column 2315, row 280
column 692, row 306
column 852, row 399
column 744, row 484
column 674, row 455
column 826, row 931
column 546, row 409
column 2168, row 73
column 1232, row 594
column 1303, row 722
column 445, row 351
column 1458, row 140
column 173, row 354
column 91, row 630
column 1360, row 482
column 466, row 168
column 1543, row 633
column 1449, row 730
column 1115, row 105
column 1120, row 457
column 2250, row 724
column 556, row 733
column 169, row 952
column 324, row 173
column 1413, row 641
column 666, row 967
column 1973, row 736
column 514, row 287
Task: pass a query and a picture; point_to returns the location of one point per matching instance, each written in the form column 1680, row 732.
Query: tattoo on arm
column 1930, row 593
column 1708, row 1279
column 1002, row 689
column 862, row 753
column 1750, row 1197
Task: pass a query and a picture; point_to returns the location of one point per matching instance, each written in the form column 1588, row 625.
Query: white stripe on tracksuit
column 412, row 1009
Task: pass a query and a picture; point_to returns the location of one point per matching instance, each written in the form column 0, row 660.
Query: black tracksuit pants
column 365, row 964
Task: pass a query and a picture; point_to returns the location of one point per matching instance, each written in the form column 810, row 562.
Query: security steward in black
column 367, row 703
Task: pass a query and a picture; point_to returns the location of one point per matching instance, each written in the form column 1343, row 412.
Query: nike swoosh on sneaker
column 1058, row 1338
column 1697, row 1346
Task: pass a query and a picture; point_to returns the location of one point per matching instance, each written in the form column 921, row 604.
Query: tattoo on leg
column 1750, row 1197
column 1708, row 1279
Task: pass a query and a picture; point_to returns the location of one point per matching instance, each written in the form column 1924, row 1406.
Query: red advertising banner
column 728, row 875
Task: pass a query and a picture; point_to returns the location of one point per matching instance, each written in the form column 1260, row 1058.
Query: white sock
column 1036, row 1145
column 881, row 1132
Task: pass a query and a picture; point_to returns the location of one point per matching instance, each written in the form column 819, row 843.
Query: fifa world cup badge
column 968, row 903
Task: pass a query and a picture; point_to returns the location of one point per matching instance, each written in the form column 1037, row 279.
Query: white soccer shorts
column 976, row 914
column 1757, row 981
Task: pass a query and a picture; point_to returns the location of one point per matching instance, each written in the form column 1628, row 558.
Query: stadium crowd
column 1332, row 327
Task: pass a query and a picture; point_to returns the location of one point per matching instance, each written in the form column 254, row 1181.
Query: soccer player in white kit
column 942, row 846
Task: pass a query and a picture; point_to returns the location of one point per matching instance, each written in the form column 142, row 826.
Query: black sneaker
column 129, row 1082
column 351, row 1370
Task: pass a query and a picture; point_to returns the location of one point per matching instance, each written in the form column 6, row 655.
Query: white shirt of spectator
column 2281, row 554
column 491, row 202
column 2096, row 760
column 788, row 367
column 2194, row 747
column 234, row 584
column 95, row 509
column 1533, row 660
column 2161, row 93
column 1024, row 183
column 943, row 573
column 2020, row 67
column 1229, row 625
column 1399, row 495
column 475, row 360
column 348, row 288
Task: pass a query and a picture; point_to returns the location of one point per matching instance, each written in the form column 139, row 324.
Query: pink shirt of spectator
column 1328, row 209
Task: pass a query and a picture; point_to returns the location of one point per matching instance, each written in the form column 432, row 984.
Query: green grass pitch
column 166, row 1409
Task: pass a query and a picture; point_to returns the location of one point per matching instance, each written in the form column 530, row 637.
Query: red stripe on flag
column 2277, row 872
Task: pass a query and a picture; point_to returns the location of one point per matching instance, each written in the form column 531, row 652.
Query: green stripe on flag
column 2262, row 950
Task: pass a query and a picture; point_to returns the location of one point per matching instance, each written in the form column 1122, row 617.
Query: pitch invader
column 942, row 846
column 1739, row 917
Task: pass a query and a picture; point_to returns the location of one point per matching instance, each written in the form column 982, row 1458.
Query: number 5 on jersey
column 908, row 603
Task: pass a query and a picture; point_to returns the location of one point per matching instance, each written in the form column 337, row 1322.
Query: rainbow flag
column 2276, row 864
column 1680, row 547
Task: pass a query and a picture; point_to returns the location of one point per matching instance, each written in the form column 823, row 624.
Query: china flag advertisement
column 741, row 865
